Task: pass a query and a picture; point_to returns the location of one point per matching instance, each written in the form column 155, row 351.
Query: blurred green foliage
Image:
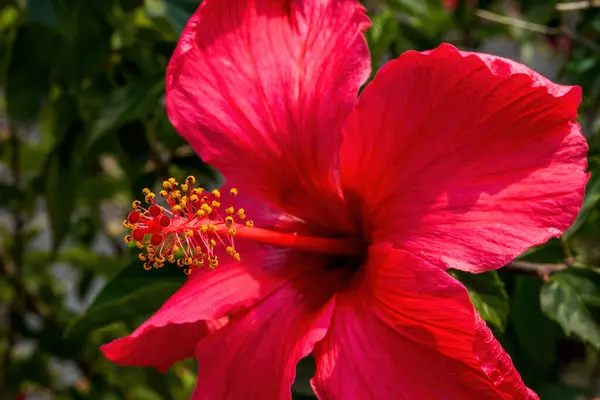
column 83, row 129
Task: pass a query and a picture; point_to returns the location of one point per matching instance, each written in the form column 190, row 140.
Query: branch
column 533, row 27
column 517, row 23
column 542, row 270
column 577, row 5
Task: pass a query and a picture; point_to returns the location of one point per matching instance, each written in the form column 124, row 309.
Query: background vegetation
column 83, row 130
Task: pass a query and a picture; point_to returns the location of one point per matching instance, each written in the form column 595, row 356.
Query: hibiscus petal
column 173, row 332
column 493, row 360
column 160, row 347
column 407, row 330
column 464, row 159
column 260, row 90
column 255, row 355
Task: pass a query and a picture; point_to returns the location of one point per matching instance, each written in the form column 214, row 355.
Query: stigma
column 188, row 229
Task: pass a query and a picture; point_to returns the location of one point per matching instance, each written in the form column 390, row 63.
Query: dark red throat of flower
column 194, row 224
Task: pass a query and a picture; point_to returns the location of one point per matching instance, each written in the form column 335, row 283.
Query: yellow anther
column 249, row 224
column 192, row 222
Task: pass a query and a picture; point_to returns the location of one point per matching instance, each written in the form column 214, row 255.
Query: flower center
column 194, row 225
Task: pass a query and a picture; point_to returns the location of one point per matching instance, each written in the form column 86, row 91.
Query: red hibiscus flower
column 447, row 159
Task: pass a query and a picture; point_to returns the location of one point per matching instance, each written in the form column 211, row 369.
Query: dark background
column 83, row 129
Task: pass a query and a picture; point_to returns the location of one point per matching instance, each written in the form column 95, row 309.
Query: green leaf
column 380, row 36
column 60, row 198
column 566, row 298
column 132, row 293
column 10, row 195
column 28, row 72
column 592, row 199
column 534, row 353
column 305, row 370
column 487, row 293
column 61, row 175
column 42, row 11
column 560, row 391
column 177, row 12
column 126, row 104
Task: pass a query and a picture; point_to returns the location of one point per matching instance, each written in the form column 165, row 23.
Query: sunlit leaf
column 175, row 11
column 566, row 298
column 590, row 202
column 488, row 296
